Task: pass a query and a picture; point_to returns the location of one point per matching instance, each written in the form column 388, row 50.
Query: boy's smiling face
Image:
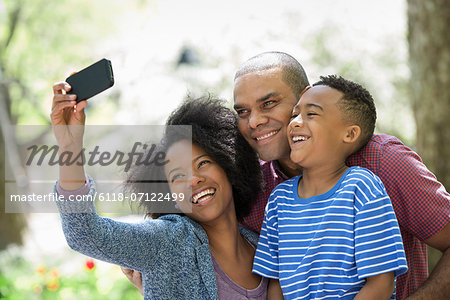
column 317, row 129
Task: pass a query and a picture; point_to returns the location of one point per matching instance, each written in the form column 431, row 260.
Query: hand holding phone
column 92, row 80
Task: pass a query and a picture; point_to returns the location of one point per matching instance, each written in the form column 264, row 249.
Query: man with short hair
column 266, row 88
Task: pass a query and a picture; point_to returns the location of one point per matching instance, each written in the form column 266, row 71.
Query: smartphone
column 92, row 80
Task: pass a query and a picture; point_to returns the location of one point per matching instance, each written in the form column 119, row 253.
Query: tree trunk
column 429, row 58
column 11, row 225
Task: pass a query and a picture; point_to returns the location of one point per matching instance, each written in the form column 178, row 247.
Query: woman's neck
column 233, row 252
column 224, row 237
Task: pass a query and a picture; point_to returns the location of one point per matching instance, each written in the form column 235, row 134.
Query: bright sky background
column 150, row 37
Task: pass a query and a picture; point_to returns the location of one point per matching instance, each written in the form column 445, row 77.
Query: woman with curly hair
column 200, row 252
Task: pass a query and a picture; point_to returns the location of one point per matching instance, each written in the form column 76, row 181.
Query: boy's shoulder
column 360, row 176
column 364, row 184
column 288, row 184
column 286, row 189
column 360, row 172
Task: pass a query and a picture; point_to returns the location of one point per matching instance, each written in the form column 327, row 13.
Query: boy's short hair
column 357, row 105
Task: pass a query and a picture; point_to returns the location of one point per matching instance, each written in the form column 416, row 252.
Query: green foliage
column 379, row 67
column 21, row 279
column 40, row 41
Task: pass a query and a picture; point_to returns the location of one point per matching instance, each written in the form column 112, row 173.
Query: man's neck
column 289, row 168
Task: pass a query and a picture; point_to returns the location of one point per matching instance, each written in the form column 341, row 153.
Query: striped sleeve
column 378, row 242
column 266, row 261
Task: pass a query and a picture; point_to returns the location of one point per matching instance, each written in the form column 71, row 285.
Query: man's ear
column 352, row 134
column 303, row 91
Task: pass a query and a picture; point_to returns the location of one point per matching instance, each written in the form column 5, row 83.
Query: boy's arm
column 378, row 243
column 377, row 287
column 274, row 291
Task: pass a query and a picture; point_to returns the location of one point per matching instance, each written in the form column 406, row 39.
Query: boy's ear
column 352, row 134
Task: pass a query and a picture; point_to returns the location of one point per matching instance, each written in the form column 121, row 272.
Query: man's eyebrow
column 268, row 96
column 262, row 99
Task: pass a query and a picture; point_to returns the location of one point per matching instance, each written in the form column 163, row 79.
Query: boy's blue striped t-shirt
column 326, row 245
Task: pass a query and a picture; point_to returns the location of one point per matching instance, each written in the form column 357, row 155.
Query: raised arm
column 68, row 119
column 130, row 245
column 138, row 246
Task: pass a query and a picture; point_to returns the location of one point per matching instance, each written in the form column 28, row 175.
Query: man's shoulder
column 380, row 147
column 383, row 140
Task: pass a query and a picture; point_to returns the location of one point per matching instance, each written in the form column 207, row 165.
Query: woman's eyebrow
column 198, row 157
column 174, row 169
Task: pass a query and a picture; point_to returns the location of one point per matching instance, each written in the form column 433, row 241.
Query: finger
column 63, row 97
column 80, row 106
column 61, row 86
column 61, row 106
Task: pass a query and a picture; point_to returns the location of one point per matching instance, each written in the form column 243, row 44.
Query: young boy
column 332, row 231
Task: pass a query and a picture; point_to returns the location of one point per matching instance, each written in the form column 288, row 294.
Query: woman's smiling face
column 208, row 192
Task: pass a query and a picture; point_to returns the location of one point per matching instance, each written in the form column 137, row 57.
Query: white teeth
column 266, row 135
column 299, row 138
column 196, row 197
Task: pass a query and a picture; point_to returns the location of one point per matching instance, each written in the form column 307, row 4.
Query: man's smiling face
column 264, row 102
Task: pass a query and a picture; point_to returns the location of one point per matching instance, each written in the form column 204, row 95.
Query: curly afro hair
column 214, row 129
column 356, row 105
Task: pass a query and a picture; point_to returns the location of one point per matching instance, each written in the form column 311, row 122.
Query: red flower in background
column 41, row 270
column 90, row 264
column 53, row 285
